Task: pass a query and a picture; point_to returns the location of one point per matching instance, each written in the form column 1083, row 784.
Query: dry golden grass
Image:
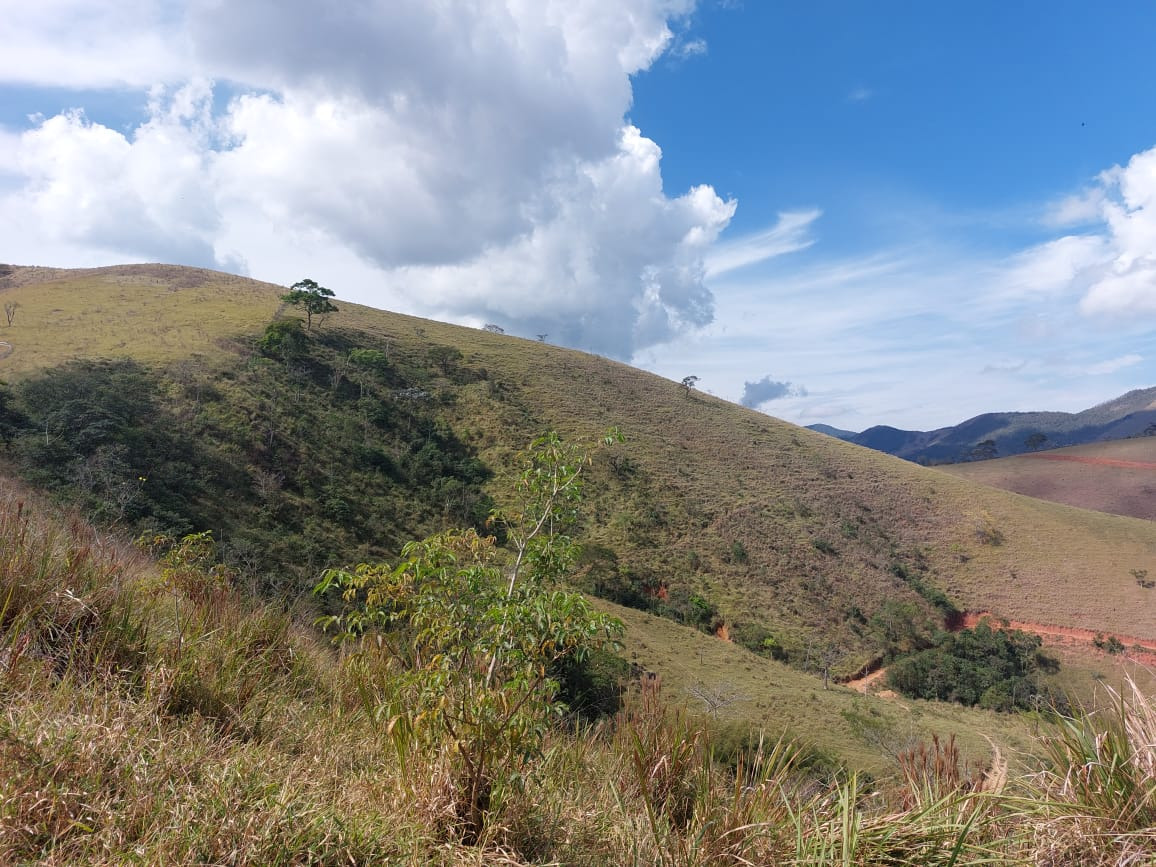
column 149, row 312
column 99, row 764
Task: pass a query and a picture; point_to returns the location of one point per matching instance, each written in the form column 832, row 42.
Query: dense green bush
column 994, row 668
column 758, row 639
column 284, row 340
column 902, row 627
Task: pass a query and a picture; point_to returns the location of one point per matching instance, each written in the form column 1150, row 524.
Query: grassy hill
column 751, row 556
column 1117, row 477
column 823, row 525
column 793, row 544
column 153, row 313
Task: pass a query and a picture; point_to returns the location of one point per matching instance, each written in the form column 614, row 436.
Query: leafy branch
column 470, row 648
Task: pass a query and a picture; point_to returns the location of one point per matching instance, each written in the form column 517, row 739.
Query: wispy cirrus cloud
column 1114, row 364
column 916, row 337
column 792, row 232
column 686, row 48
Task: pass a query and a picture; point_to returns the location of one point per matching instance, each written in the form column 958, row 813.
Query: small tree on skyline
column 312, row 298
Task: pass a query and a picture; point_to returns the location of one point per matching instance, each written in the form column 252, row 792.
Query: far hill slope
column 153, row 313
column 1012, row 433
column 1116, row 477
column 782, row 539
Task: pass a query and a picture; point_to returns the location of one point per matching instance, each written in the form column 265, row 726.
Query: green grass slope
column 738, row 690
column 772, row 535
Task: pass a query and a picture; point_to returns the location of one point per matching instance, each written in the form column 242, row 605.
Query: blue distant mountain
column 999, row 434
column 835, row 432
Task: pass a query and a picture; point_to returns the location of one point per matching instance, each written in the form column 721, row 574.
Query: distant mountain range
column 999, row 434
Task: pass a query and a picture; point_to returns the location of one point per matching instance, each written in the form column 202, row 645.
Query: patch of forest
column 302, row 451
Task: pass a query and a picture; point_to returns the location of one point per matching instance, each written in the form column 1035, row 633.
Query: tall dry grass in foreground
column 150, row 714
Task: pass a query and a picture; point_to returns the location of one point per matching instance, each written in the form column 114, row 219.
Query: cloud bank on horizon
column 479, row 163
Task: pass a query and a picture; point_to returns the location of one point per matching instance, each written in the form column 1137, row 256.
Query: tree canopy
column 312, row 298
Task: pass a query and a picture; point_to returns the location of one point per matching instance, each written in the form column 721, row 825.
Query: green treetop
column 314, row 299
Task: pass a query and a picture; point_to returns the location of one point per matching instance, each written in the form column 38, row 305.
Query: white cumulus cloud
column 91, row 44
column 1113, row 266
column 142, row 194
column 472, row 159
column 1128, row 286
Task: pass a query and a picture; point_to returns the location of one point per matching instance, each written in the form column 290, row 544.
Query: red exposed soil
column 723, row 632
column 1101, row 462
column 863, row 684
column 660, row 591
column 1136, row 649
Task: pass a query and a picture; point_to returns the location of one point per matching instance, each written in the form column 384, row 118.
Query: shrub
column 472, row 651
column 998, row 669
column 758, row 639
column 284, row 340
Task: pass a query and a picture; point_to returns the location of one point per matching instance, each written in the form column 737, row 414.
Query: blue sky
column 841, row 212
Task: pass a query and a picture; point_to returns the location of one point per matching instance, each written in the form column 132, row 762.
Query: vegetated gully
column 1140, row 650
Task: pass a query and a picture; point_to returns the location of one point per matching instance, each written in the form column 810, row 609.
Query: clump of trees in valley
column 998, row 669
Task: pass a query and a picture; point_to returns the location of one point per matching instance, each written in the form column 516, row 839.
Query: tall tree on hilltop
column 312, row 298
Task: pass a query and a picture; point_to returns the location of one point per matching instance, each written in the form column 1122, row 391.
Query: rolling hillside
column 153, row 714
column 777, row 537
column 1116, row 477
